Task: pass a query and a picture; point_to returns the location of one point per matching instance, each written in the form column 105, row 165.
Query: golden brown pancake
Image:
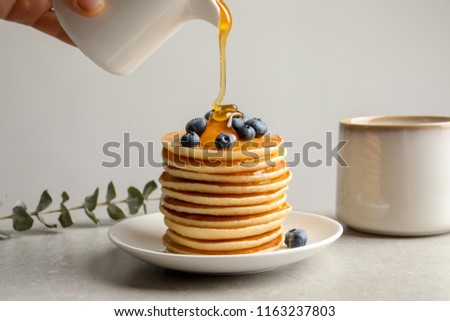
column 224, row 199
column 191, row 208
column 223, row 202
column 181, row 184
column 180, row 249
column 224, row 245
column 219, row 166
column 267, row 173
column 212, row 221
column 219, row 233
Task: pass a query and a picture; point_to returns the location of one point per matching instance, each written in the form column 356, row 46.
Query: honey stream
column 225, row 25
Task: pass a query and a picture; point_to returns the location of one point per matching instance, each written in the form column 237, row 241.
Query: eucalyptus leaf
column 65, row 197
column 92, row 216
column 4, row 235
column 64, row 218
column 149, row 188
column 44, row 203
column 21, row 204
column 41, row 219
column 22, row 221
column 115, row 212
column 135, row 200
column 90, row 202
column 111, row 192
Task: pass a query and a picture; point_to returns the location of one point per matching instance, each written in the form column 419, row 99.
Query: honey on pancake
column 214, row 128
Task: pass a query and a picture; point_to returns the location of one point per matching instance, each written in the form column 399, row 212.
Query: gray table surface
column 81, row 263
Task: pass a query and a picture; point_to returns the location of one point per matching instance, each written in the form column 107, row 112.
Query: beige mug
column 397, row 181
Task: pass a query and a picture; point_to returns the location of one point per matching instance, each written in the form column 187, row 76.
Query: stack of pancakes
column 218, row 202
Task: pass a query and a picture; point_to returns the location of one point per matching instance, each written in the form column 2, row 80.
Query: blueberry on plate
column 197, row 125
column 225, row 141
column 190, row 139
column 296, row 238
column 246, row 132
column 259, row 126
column 208, row 114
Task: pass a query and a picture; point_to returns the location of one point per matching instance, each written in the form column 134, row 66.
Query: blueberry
column 208, row 114
column 225, row 141
column 237, row 122
column 246, row 132
column 197, row 125
column 296, row 238
column 259, row 126
column 190, row 139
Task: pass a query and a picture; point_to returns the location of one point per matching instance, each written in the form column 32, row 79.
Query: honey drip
column 225, row 26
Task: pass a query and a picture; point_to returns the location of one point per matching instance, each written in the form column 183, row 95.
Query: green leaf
column 22, row 221
column 4, row 235
column 41, row 219
column 115, row 212
column 135, row 200
column 90, row 202
column 65, row 219
column 44, row 202
column 21, row 204
column 92, row 216
column 111, row 192
column 65, row 197
column 149, row 188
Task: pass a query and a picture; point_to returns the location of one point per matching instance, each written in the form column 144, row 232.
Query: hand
column 39, row 14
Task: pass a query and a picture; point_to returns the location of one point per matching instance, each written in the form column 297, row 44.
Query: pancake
column 225, row 245
column 191, row 208
column 224, row 199
column 220, row 166
column 180, row 249
column 181, row 184
column 211, row 221
column 257, row 148
column 240, row 177
column 220, row 233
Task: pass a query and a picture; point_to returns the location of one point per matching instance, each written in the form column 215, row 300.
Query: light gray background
column 300, row 65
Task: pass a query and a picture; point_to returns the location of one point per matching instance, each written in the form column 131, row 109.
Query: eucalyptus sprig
column 23, row 219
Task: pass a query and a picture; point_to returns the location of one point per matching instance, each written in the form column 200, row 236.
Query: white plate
column 141, row 237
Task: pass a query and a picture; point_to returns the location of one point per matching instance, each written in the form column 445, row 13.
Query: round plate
column 141, row 237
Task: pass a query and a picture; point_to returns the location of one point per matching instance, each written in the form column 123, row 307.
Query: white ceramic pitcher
column 129, row 31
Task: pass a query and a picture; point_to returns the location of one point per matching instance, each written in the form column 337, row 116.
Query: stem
column 79, row 207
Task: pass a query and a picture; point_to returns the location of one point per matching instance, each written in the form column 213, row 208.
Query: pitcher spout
column 207, row 10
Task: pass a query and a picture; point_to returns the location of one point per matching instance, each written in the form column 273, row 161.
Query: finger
column 86, row 8
column 27, row 11
column 6, row 7
column 49, row 24
column 37, row 14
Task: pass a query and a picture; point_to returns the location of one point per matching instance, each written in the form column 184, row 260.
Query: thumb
column 87, row 8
